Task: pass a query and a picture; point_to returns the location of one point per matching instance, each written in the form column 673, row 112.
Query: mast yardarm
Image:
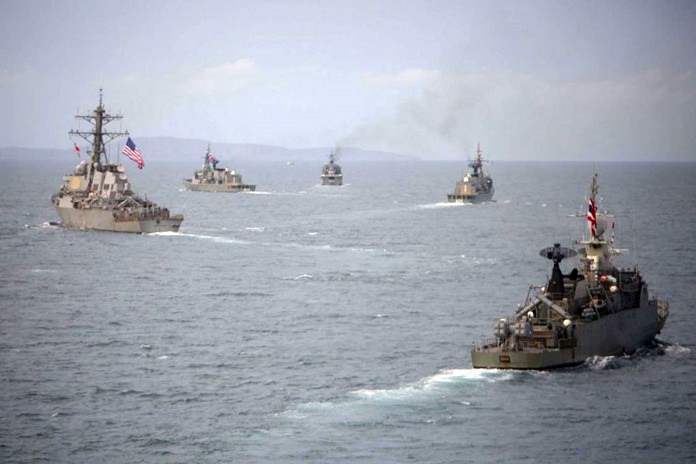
column 98, row 137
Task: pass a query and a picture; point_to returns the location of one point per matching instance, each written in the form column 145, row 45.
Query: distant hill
column 34, row 154
column 171, row 149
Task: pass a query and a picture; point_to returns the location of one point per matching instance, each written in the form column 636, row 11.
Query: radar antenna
column 557, row 253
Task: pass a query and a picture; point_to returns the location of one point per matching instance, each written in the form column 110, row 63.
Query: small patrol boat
column 474, row 186
column 97, row 194
column 331, row 172
column 210, row 178
column 596, row 310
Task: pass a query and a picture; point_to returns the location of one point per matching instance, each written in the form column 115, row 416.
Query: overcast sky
column 581, row 80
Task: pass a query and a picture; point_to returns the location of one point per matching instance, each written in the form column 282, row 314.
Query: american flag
column 212, row 158
column 131, row 151
column 591, row 217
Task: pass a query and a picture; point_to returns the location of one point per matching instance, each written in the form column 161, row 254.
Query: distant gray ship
column 210, row 178
column 331, row 172
column 475, row 186
column 97, row 194
column 596, row 310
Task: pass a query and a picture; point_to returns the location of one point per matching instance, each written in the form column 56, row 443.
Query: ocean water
column 310, row 324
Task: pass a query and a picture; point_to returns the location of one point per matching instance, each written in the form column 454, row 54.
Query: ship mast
column 593, row 216
column 477, row 164
column 98, row 137
column 594, row 188
column 597, row 252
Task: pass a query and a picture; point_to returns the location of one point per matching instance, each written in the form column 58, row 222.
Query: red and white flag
column 592, row 217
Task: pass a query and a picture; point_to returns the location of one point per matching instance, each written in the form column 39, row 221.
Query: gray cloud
column 521, row 116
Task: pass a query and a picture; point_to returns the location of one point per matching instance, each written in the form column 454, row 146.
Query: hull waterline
column 615, row 334
column 226, row 188
column 78, row 219
column 477, row 198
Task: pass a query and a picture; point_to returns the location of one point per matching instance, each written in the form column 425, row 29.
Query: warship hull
column 474, row 198
column 331, row 180
column 611, row 335
column 97, row 195
column 231, row 188
column 105, row 220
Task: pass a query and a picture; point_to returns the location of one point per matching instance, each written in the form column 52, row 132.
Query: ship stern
column 495, row 358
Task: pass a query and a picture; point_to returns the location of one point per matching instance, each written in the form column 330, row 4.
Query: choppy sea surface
column 310, row 324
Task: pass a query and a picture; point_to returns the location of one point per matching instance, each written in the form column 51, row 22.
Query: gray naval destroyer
column 331, row 172
column 210, row 178
column 97, row 194
column 474, row 186
column 597, row 310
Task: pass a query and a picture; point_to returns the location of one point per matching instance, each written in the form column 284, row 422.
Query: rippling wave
column 312, row 325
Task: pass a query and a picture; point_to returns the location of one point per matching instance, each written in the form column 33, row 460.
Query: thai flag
column 592, row 217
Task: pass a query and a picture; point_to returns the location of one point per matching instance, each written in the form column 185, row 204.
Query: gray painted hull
column 231, row 188
column 103, row 220
column 478, row 198
column 331, row 180
column 614, row 334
